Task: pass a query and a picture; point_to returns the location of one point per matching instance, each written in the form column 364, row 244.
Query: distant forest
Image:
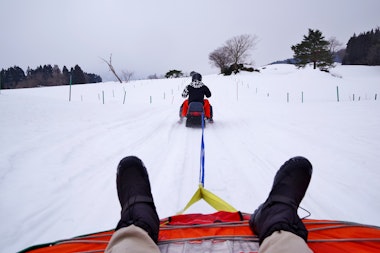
column 46, row 75
column 363, row 49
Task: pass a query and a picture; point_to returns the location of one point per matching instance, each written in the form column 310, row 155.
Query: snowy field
column 58, row 158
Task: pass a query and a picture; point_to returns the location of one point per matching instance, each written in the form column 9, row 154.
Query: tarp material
column 229, row 232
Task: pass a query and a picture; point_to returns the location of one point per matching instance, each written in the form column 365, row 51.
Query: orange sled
column 229, row 232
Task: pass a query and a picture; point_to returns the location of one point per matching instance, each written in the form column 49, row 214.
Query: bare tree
column 109, row 63
column 335, row 45
column 220, row 59
column 154, row 76
column 239, row 46
column 127, row 75
column 233, row 53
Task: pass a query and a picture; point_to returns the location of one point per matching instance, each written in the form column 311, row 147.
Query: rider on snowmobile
column 196, row 91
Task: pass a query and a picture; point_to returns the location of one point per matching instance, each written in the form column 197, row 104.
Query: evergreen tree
column 2, row 74
column 66, row 75
column 12, row 77
column 92, row 78
column 313, row 49
column 78, row 76
column 363, row 49
column 174, row 73
column 47, row 71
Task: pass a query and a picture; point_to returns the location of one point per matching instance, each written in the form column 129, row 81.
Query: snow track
column 58, row 159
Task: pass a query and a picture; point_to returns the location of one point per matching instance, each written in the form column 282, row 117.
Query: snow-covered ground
column 58, row 158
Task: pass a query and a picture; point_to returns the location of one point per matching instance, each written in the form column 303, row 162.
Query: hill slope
column 58, row 158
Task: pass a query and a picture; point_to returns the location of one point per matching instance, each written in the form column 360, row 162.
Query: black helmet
column 197, row 77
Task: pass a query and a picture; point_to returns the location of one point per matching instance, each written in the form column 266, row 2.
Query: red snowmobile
column 195, row 116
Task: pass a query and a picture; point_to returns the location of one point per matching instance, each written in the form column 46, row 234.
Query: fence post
column 337, row 93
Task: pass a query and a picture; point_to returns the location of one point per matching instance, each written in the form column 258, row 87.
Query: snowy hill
column 58, row 158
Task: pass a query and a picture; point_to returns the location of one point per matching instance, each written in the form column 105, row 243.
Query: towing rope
column 213, row 200
column 202, row 160
column 201, row 193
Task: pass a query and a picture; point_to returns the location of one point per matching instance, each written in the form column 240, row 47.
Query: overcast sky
column 154, row 36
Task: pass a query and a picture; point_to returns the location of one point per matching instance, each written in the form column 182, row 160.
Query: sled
column 195, row 115
column 227, row 230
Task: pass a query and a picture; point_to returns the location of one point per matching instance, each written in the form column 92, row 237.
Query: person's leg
column 131, row 239
column 284, row 241
column 279, row 211
column 139, row 222
column 206, row 107
column 185, row 107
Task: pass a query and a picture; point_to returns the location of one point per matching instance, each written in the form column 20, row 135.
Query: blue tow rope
column 202, row 161
column 201, row 193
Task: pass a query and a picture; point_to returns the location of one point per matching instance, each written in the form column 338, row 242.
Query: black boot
column 134, row 192
column 279, row 211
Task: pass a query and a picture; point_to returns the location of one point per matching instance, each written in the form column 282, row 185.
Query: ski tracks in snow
column 178, row 166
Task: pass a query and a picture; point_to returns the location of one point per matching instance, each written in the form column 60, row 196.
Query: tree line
column 363, row 49
column 231, row 57
column 47, row 75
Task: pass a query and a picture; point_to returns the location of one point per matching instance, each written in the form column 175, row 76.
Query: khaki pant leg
column 131, row 239
column 284, row 242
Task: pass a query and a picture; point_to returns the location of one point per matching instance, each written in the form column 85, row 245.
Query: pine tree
column 174, row 73
column 363, row 49
column 313, row 49
column 66, row 75
column 12, row 77
column 78, row 75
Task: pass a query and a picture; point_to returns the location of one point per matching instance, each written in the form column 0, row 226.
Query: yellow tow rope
column 213, row 200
